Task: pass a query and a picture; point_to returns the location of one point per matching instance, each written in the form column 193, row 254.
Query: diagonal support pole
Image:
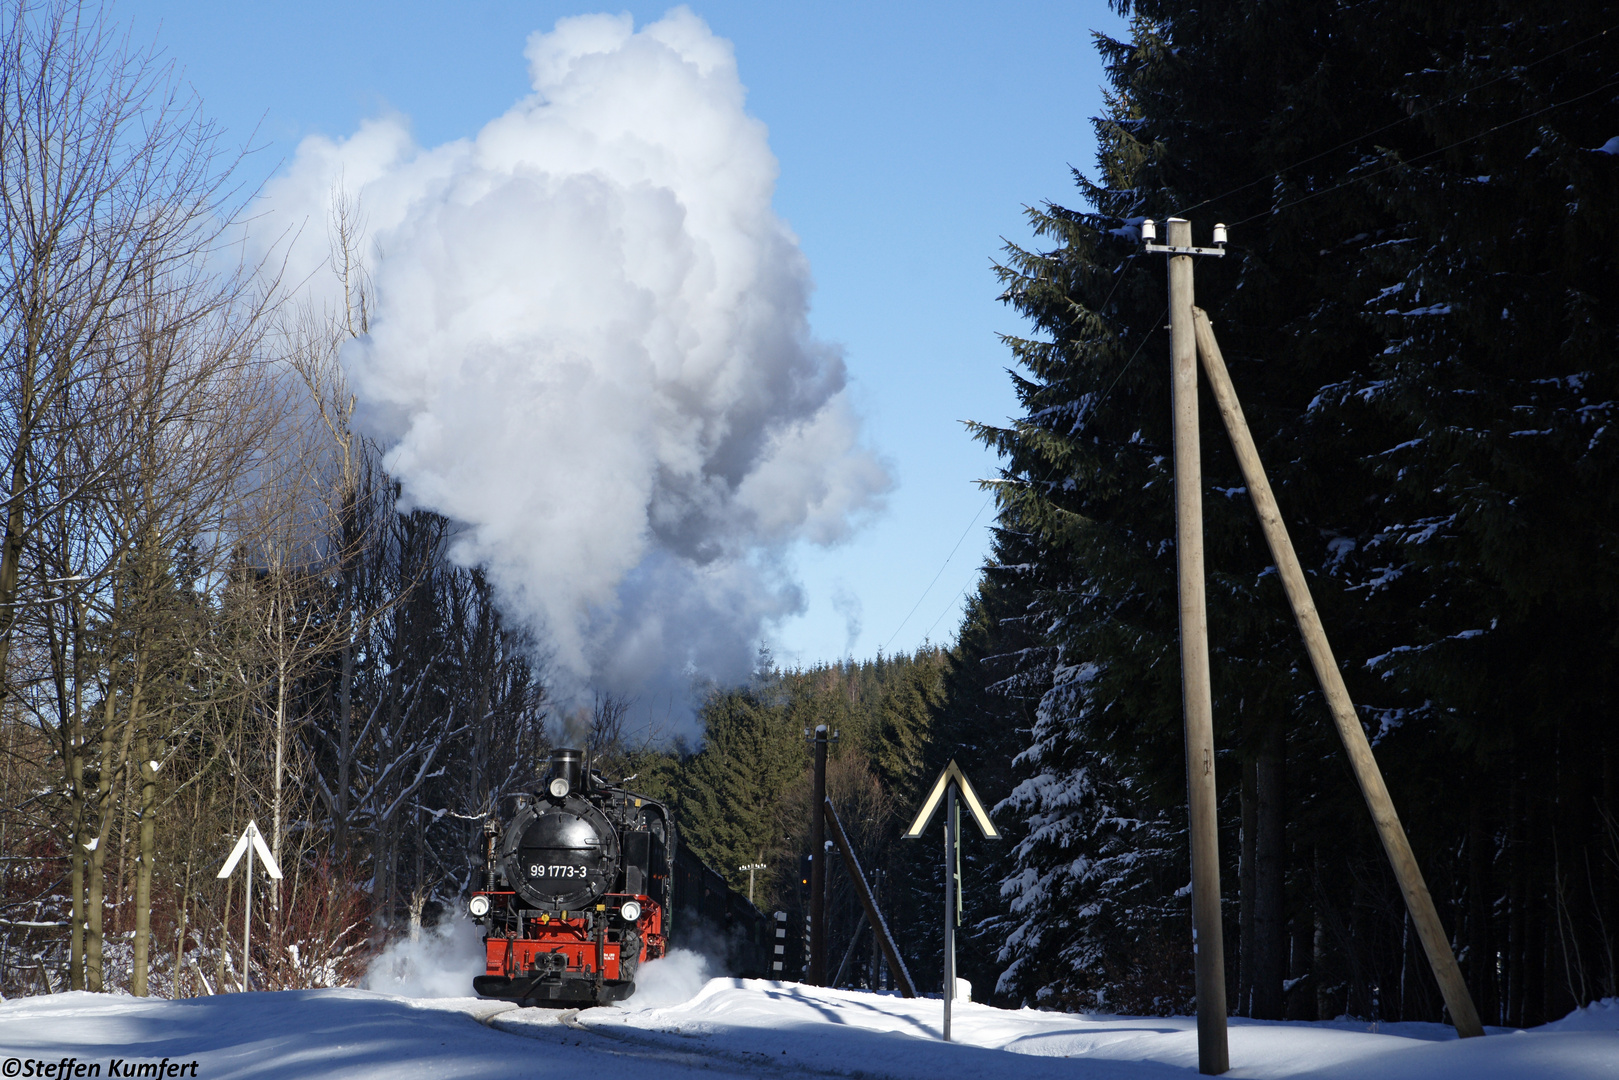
column 879, row 925
column 1417, row 899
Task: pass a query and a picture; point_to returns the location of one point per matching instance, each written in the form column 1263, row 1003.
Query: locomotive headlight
column 630, row 911
column 559, row 788
column 478, row 906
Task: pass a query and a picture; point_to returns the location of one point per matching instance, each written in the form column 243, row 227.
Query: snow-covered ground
column 745, row 1028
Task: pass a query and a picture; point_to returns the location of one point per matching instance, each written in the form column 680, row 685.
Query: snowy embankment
column 853, row 1033
column 747, row 1028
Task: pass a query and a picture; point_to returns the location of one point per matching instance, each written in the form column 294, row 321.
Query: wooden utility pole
column 1208, row 943
column 817, row 950
column 1417, row 899
column 750, row 868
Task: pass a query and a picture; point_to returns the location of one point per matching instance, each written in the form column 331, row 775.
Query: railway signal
column 251, row 841
column 951, row 781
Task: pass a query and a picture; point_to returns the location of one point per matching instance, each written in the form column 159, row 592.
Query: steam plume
column 590, row 346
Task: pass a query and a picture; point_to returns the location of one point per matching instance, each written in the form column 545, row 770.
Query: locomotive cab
column 576, row 890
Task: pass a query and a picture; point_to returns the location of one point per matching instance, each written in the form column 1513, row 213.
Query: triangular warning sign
column 251, row 835
column 952, row 774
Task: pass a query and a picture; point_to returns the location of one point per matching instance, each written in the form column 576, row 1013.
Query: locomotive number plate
column 537, row 870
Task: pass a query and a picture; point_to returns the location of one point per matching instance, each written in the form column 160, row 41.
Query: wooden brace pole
column 1417, row 900
column 879, row 925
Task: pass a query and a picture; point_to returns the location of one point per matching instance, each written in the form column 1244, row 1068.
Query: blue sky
column 910, row 137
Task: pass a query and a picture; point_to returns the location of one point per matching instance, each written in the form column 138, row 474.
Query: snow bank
column 739, row 1027
column 751, row 1022
column 1598, row 1016
column 673, row 980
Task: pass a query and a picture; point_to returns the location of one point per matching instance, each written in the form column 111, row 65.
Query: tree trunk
column 1608, row 831
column 95, row 902
column 278, row 614
column 1270, row 886
column 1300, row 973
column 76, row 853
column 1318, row 951
column 224, row 941
column 1480, row 943
column 350, row 537
column 143, row 870
column 1245, row 892
column 126, row 812
column 345, row 749
column 95, row 898
column 76, row 880
column 11, row 546
column 114, row 756
column 79, row 801
column 1517, row 899
column 183, row 916
column 1534, row 911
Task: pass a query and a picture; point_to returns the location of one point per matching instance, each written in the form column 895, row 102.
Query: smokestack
column 568, row 765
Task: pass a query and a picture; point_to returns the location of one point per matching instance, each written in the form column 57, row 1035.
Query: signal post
column 951, row 781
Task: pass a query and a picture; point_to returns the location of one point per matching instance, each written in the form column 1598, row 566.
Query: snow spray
column 439, row 962
column 672, row 980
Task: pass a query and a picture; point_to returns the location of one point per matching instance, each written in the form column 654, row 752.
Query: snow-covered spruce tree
column 1092, row 908
column 1085, row 483
column 1497, row 298
column 1422, row 449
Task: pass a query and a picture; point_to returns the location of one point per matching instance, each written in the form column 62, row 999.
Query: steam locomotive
column 586, row 882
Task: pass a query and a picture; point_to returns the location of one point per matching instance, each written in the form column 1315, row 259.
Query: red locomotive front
column 576, row 891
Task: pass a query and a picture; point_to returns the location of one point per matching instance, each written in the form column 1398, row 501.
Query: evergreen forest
column 215, row 608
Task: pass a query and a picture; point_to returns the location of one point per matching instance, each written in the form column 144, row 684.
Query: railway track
column 622, row 1044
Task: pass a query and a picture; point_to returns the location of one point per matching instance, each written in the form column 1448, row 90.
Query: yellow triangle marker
column 952, row 772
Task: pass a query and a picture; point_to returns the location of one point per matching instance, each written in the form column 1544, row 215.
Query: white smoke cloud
column 590, row 345
column 846, row 602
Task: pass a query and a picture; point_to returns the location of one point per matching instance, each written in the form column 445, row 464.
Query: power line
column 947, row 610
column 1367, row 176
column 1156, row 324
column 1396, row 123
column 940, row 574
column 1123, row 269
column 1119, row 277
column 963, row 592
column 1428, row 154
